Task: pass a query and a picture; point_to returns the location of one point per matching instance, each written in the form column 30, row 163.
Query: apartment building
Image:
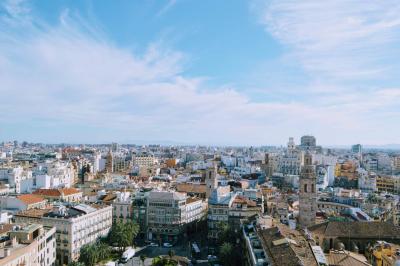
column 388, row 183
column 122, row 207
column 76, row 226
column 144, row 159
column 169, row 212
column 27, row 244
column 218, row 209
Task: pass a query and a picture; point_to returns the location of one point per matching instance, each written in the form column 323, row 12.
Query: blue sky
column 207, row 72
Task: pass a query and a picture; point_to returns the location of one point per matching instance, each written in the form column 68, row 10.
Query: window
column 305, row 188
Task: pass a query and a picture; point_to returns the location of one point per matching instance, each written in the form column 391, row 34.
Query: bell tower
column 307, row 192
column 211, row 179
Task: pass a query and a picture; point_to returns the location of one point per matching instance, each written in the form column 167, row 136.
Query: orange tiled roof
column 56, row 192
column 69, row 191
column 48, row 192
column 30, row 199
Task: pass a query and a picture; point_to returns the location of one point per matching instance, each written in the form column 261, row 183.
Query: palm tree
column 88, row 255
column 132, row 230
column 103, row 251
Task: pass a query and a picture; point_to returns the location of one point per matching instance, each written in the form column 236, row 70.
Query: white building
column 366, row 181
column 144, row 159
column 291, row 161
column 14, row 176
column 76, row 226
column 122, row 206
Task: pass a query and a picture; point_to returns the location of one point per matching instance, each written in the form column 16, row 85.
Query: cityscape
column 124, row 204
column 210, row 133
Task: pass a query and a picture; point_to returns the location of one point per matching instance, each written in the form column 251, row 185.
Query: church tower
column 308, row 193
column 109, row 162
column 211, row 179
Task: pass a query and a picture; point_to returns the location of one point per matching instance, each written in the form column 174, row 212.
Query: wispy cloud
column 69, row 78
column 170, row 4
column 342, row 40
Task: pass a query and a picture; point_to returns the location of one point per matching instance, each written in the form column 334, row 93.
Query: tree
column 142, row 258
column 88, row 255
column 132, row 229
column 103, row 251
column 123, row 234
column 163, row 261
column 226, row 254
column 226, row 234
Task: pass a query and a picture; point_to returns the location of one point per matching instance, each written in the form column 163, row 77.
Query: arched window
column 312, row 188
column 305, row 188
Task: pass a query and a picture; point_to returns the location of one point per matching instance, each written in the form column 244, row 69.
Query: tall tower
column 308, row 194
column 109, row 162
column 291, row 145
column 211, row 180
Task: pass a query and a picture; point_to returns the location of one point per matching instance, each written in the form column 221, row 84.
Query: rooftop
column 166, row 195
column 357, row 229
column 286, row 246
column 56, row 192
column 30, row 199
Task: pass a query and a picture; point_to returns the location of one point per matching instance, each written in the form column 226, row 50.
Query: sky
column 200, row 72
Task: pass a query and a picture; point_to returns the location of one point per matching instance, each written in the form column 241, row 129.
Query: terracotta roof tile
column 56, row 192
column 30, row 199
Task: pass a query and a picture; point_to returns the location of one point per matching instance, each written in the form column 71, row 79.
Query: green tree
column 132, row 229
column 103, row 251
column 226, row 254
column 226, row 234
column 88, row 255
column 163, row 261
column 119, row 237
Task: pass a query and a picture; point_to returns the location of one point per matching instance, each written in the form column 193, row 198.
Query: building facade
column 76, row 226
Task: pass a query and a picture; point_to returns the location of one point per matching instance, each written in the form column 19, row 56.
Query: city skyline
column 191, row 72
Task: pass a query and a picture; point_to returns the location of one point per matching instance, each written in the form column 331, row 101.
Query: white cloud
column 349, row 52
column 69, row 76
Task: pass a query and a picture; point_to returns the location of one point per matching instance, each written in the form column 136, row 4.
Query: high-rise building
column 114, row 147
column 357, row 148
column 396, row 165
column 96, row 162
column 308, row 142
column 308, row 193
